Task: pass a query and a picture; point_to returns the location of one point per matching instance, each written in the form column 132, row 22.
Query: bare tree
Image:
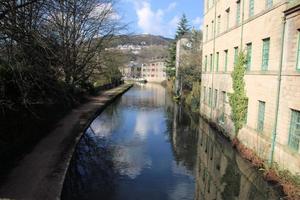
column 80, row 27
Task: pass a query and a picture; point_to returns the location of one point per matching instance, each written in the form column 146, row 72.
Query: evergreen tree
column 182, row 29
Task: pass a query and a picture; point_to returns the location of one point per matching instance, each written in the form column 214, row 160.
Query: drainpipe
column 278, row 95
column 242, row 24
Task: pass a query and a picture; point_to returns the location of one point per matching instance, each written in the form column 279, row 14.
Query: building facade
column 181, row 51
column 267, row 31
column 154, row 70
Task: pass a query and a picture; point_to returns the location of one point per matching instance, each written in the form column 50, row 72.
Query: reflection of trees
column 183, row 136
column 91, row 170
column 232, row 179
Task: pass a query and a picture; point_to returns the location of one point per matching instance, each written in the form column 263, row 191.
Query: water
column 146, row 147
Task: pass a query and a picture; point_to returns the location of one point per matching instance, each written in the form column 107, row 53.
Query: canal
column 145, row 147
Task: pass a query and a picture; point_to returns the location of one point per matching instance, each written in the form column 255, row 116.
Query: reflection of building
column 221, row 174
column 269, row 32
column 149, row 97
column 154, row 70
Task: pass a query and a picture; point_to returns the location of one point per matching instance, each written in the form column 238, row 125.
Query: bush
column 193, row 98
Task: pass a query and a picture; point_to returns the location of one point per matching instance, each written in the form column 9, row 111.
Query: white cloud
column 197, row 22
column 105, row 9
column 171, row 6
column 153, row 21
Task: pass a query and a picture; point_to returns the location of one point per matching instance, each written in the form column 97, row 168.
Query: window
column 206, row 33
column 205, row 64
column 204, row 94
column 227, row 18
column 298, row 52
column 216, row 98
column 212, row 29
column 217, row 62
column 294, row 135
column 265, row 54
column 211, row 62
column 219, row 25
column 210, row 97
column 238, row 12
column 222, row 117
column 269, row 3
column 208, row 183
column 226, row 60
column 261, row 116
column 249, row 56
column 251, row 8
column 236, row 54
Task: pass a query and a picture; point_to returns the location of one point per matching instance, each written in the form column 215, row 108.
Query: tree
column 182, row 29
column 238, row 99
column 79, row 28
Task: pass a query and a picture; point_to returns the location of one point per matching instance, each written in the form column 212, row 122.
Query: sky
column 159, row 17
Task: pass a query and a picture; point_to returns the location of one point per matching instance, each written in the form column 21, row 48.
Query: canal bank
column 41, row 173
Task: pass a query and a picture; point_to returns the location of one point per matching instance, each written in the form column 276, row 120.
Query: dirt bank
column 41, row 173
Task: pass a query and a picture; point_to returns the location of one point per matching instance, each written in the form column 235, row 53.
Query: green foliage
column 238, row 99
column 191, row 60
column 171, row 61
column 193, row 98
column 188, row 75
column 182, row 29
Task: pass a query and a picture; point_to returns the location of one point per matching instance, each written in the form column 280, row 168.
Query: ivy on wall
column 238, row 99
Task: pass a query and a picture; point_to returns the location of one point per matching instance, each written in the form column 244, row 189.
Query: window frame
column 269, row 3
column 205, row 64
column 210, row 97
column 295, row 116
column 251, row 8
column 216, row 98
column 219, row 24
column 238, row 12
column 261, row 116
column 265, row 65
column 298, row 53
column 211, row 63
column 225, row 60
column 227, row 18
column 236, row 54
column 249, row 56
column 217, row 61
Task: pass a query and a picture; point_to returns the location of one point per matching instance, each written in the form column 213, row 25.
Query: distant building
column 269, row 32
column 154, row 70
column 132, row 70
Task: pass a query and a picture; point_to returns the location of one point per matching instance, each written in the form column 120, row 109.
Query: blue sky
column 159, row 17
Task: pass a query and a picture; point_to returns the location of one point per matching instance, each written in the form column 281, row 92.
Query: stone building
column 154, row 70
column 268, row 32
column 182, row 47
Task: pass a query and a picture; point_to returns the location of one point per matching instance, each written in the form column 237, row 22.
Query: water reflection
column 145, row 147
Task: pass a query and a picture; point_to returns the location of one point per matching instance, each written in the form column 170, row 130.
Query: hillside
column 144, row 40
